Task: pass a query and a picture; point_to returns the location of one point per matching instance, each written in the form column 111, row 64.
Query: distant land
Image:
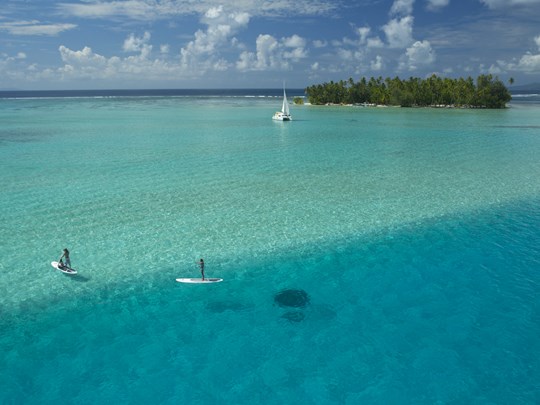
column 525, row 88
column 435, row 91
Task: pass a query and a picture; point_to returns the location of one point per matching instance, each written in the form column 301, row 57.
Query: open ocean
column 411, row 236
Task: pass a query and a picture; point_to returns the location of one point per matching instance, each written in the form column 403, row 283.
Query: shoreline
column 436, row 106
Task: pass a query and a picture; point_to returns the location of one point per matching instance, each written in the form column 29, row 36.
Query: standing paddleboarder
column 65, row 255
column 201, row 265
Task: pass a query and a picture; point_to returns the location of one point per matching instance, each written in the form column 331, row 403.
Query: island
column 435, row 91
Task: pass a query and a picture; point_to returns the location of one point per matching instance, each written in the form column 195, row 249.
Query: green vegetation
column 488, row 92
column 298, row 100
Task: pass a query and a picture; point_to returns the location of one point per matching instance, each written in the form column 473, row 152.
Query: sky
column 143, row 44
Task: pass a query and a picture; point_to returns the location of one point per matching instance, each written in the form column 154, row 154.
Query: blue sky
column 93, row 44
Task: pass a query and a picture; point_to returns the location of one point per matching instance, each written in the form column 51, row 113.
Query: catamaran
column 284, row 114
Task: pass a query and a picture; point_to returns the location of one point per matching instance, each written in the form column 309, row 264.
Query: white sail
column 285, row 106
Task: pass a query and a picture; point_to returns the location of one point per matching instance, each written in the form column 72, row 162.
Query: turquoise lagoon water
column 414, row 232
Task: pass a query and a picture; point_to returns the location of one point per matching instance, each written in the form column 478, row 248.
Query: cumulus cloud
column 273, row 54
column 6, row 58
column 319, row 44
column 377, row 64
column 420, row 54
column 85, row 57
column 202, row 53
column 34, row 27
column 374, row 42
column 267, row 47
column 363, row 33
column 402, row 7
column 295, row 48
column 362, row 40
column 210, row 49
column 528, row 63
column 294, row 42
column 87, row 64
column 138, row 44
column 11, row 68
column 398, row 32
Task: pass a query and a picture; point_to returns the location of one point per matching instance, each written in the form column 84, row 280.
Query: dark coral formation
column 292, row 298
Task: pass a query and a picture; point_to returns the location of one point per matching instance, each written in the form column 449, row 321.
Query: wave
column 525, row 95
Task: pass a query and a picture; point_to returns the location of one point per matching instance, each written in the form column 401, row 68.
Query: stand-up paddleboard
column 199, row 280
column 63, row 269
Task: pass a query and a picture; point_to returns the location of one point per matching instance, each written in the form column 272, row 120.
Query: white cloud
column 529, row 63
column 266, row 56
column 363, row 33
column 214, row 12
column 159, row 9
column 399, row 32
column 418, row 55
column 132, row 9
column 273, row 54
column 85, row 58
column 375, row 42
column 34, row 27
column 402, row 7
column 295, row 48
column 294, row 42
column 5, row 58
column 319, row 44
column 377, row 64
column 135, row 44
column 345, row 54
column 493, row 4
column 437, row 4
column 164, row 49
column 202, row 54
column 87, row 64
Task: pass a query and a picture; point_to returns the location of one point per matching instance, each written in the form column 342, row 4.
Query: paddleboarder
column 201, row 265
column 65, row 255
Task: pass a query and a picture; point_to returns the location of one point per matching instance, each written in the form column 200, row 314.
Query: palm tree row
column 487, row 92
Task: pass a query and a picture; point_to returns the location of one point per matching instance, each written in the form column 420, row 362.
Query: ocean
column 368, row 255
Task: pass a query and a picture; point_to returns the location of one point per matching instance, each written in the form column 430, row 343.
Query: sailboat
column 284, row 114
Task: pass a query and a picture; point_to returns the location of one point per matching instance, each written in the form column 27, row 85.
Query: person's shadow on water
column 79, row 278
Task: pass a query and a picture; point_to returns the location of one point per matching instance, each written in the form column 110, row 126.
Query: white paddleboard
column 64, row 269
column 199, row 280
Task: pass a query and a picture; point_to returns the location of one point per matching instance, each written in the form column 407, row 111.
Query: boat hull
column 279, row 116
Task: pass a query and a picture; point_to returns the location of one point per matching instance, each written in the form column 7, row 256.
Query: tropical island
column 487, row 92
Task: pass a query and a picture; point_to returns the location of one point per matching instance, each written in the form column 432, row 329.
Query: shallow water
column 415, row 234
